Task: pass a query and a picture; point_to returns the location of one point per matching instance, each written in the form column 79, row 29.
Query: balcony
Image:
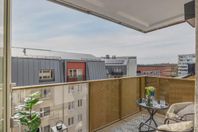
column 102, row 105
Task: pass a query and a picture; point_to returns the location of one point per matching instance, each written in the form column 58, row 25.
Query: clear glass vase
column 149, row 101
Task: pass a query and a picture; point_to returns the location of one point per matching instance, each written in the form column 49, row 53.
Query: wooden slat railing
column 114, row 99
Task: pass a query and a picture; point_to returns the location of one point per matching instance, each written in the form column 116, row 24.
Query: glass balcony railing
column 68, row 103
column 92, row 105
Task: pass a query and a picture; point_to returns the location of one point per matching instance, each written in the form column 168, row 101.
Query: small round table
column 152, row 110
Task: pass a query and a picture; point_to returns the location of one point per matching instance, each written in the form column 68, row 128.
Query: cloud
column 49, row 26
column 149, row 48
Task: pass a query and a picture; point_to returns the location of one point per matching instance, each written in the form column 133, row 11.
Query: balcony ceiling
column 141, row 15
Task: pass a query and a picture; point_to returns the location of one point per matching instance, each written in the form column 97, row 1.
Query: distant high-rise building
column 120, row 66
column 184, row 61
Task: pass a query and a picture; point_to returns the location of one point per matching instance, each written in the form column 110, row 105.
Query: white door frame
column 7, row 65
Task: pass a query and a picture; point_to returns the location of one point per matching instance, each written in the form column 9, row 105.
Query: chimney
column 113, row 57
column 107, row 56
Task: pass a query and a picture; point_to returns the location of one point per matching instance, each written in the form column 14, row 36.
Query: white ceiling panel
column 141, row 15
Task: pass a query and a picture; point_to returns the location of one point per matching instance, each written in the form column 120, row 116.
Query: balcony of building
column 102, row 105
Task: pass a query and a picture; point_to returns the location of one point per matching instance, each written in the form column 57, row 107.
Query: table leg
column 153, row 112
column 150, row 119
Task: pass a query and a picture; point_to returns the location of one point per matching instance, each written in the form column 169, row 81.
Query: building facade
column 31, row 69
column 166, row 70
column 120, row 66
column 184, row 64
column 36, row 71
column 75, row 71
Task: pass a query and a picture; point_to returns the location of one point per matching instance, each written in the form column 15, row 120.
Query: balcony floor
column 131, row 123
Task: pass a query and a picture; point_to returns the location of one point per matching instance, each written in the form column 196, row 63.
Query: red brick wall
column 164, row 70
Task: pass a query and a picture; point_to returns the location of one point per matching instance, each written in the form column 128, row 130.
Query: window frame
column 51, row 75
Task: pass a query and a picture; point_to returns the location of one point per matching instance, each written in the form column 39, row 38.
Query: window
column 71, row 89
column 79, row 72
column 46, row 75
column 118, row 70
column 71, row 105
column 80, row 103
column 74, row 73
column 79, row 88
column 70, row 73
column 79, row 117
column 70, row 121
column 45, row 93
column 45, row 111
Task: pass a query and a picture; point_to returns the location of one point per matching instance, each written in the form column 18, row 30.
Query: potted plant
column 25, row 114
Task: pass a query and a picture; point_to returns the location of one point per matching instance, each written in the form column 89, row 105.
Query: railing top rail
column 172, row 78
column 68, row 83
column 90, row 81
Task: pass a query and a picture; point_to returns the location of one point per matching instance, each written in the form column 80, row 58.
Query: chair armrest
column 166, row 121
column 160, row 130
column 176, row 107
column 184, row 126
column 188, row 114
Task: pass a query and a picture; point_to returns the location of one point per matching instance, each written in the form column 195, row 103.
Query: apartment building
column 35, row 67
column 120, row 66
column 185, row 64
column 165, row 70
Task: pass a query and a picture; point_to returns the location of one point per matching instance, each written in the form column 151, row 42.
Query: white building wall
column 183, row 61
column 132, row 67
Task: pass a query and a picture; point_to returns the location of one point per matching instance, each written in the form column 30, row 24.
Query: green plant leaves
column 27, row 117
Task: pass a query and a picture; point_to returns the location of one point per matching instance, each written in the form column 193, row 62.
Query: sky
column 45, row 25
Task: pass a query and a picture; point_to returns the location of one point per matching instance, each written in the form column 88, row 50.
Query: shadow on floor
column 131, row 123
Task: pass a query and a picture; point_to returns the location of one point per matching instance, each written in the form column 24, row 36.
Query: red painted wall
column 75, row 66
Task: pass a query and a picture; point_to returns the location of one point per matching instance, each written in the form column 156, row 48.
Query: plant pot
column 38, row 130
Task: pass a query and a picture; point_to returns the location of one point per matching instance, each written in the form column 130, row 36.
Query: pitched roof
column 40, row 53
